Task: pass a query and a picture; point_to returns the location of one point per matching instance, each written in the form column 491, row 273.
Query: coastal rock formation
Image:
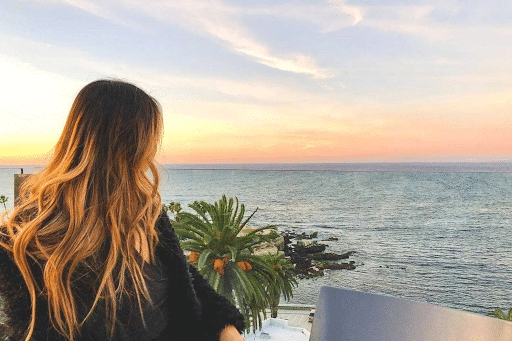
column 309, row 256
column 309, row 249
column 330, row 255
column 336, row 266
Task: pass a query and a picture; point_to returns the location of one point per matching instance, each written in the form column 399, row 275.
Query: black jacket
column 197, row 311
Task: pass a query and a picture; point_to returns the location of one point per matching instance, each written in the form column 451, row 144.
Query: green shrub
column 498, row 313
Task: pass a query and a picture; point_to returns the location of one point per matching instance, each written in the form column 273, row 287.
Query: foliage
column 498, row 313
column 3, row 200
column 173, row 207
column 224, row 256
column 283, row 281
column 273, row 235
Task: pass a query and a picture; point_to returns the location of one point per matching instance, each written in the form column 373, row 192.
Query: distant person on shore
column 87, row 253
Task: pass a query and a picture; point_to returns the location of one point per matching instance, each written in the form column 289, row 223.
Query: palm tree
column 283, row 281
column 173, row 207
column 3, row 200
column 225, row 257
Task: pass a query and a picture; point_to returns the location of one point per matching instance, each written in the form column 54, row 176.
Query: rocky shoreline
column 306, row 253
column 309, row 256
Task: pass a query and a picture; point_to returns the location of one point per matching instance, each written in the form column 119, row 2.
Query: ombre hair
column 93, row 207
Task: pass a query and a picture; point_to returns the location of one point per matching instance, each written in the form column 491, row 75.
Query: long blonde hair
column 93, row 207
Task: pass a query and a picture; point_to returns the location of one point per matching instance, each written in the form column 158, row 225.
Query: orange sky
column 468, row 129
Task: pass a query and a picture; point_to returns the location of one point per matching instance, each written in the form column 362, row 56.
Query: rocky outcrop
column 330, row 255
column 310, row 249
column 336, row 266
column 309, row 256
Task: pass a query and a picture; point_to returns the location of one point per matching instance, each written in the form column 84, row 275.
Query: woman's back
column 92, row 210
column 155, row 314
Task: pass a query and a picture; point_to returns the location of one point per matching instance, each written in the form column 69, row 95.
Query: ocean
column 432, row 232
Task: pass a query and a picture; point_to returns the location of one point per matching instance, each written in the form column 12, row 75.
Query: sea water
column 434, row 232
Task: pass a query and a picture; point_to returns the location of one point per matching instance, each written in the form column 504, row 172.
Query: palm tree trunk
column 274, row 303
column 273, row 311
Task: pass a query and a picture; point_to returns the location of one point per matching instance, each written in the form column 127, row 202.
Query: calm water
column 429, row 232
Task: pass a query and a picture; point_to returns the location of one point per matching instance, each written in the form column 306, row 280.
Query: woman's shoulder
column 167, row 236
column 163, row 222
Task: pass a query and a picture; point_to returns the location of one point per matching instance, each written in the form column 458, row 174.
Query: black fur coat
column 197, row 313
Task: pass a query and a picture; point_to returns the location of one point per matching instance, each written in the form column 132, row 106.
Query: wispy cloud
column 330, row 16
column 415, row 18
column 213, row 18
column 412, row 20
column 109, row 10
column 224, row 23
column 240, row 42
column 50, row 57
column 438, row 20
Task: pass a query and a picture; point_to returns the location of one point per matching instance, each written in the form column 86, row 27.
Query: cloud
column 419, row 18
column 93, row 8
column 58, row 60
column 240, row 42
column 330, row 16
column 213, row 18
column 109, row 10
column 439, row 20
column 224, row 23
column 336, row 15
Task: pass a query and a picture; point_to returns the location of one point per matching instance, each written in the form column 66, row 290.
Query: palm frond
column 226, row 259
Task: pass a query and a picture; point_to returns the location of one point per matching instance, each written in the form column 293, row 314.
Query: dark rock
column 305, row 256
column 286, row 243
column 314, row 248
column 347, row 254
column 328, row 256
column 336, row 266
column 331, row 239
column 301, row 262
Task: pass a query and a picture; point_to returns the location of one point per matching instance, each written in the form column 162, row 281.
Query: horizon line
column 20, row 165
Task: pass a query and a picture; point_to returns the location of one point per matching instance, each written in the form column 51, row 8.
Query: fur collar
column 189, row 294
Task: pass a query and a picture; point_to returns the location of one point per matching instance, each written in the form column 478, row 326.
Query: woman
column 87, row 254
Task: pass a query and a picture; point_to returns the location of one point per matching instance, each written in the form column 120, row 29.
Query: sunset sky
column 269, row 81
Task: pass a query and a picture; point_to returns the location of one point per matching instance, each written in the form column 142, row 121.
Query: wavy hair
column 93, row 207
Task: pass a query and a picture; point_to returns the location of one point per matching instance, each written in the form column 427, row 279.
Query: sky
column 269, row 81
